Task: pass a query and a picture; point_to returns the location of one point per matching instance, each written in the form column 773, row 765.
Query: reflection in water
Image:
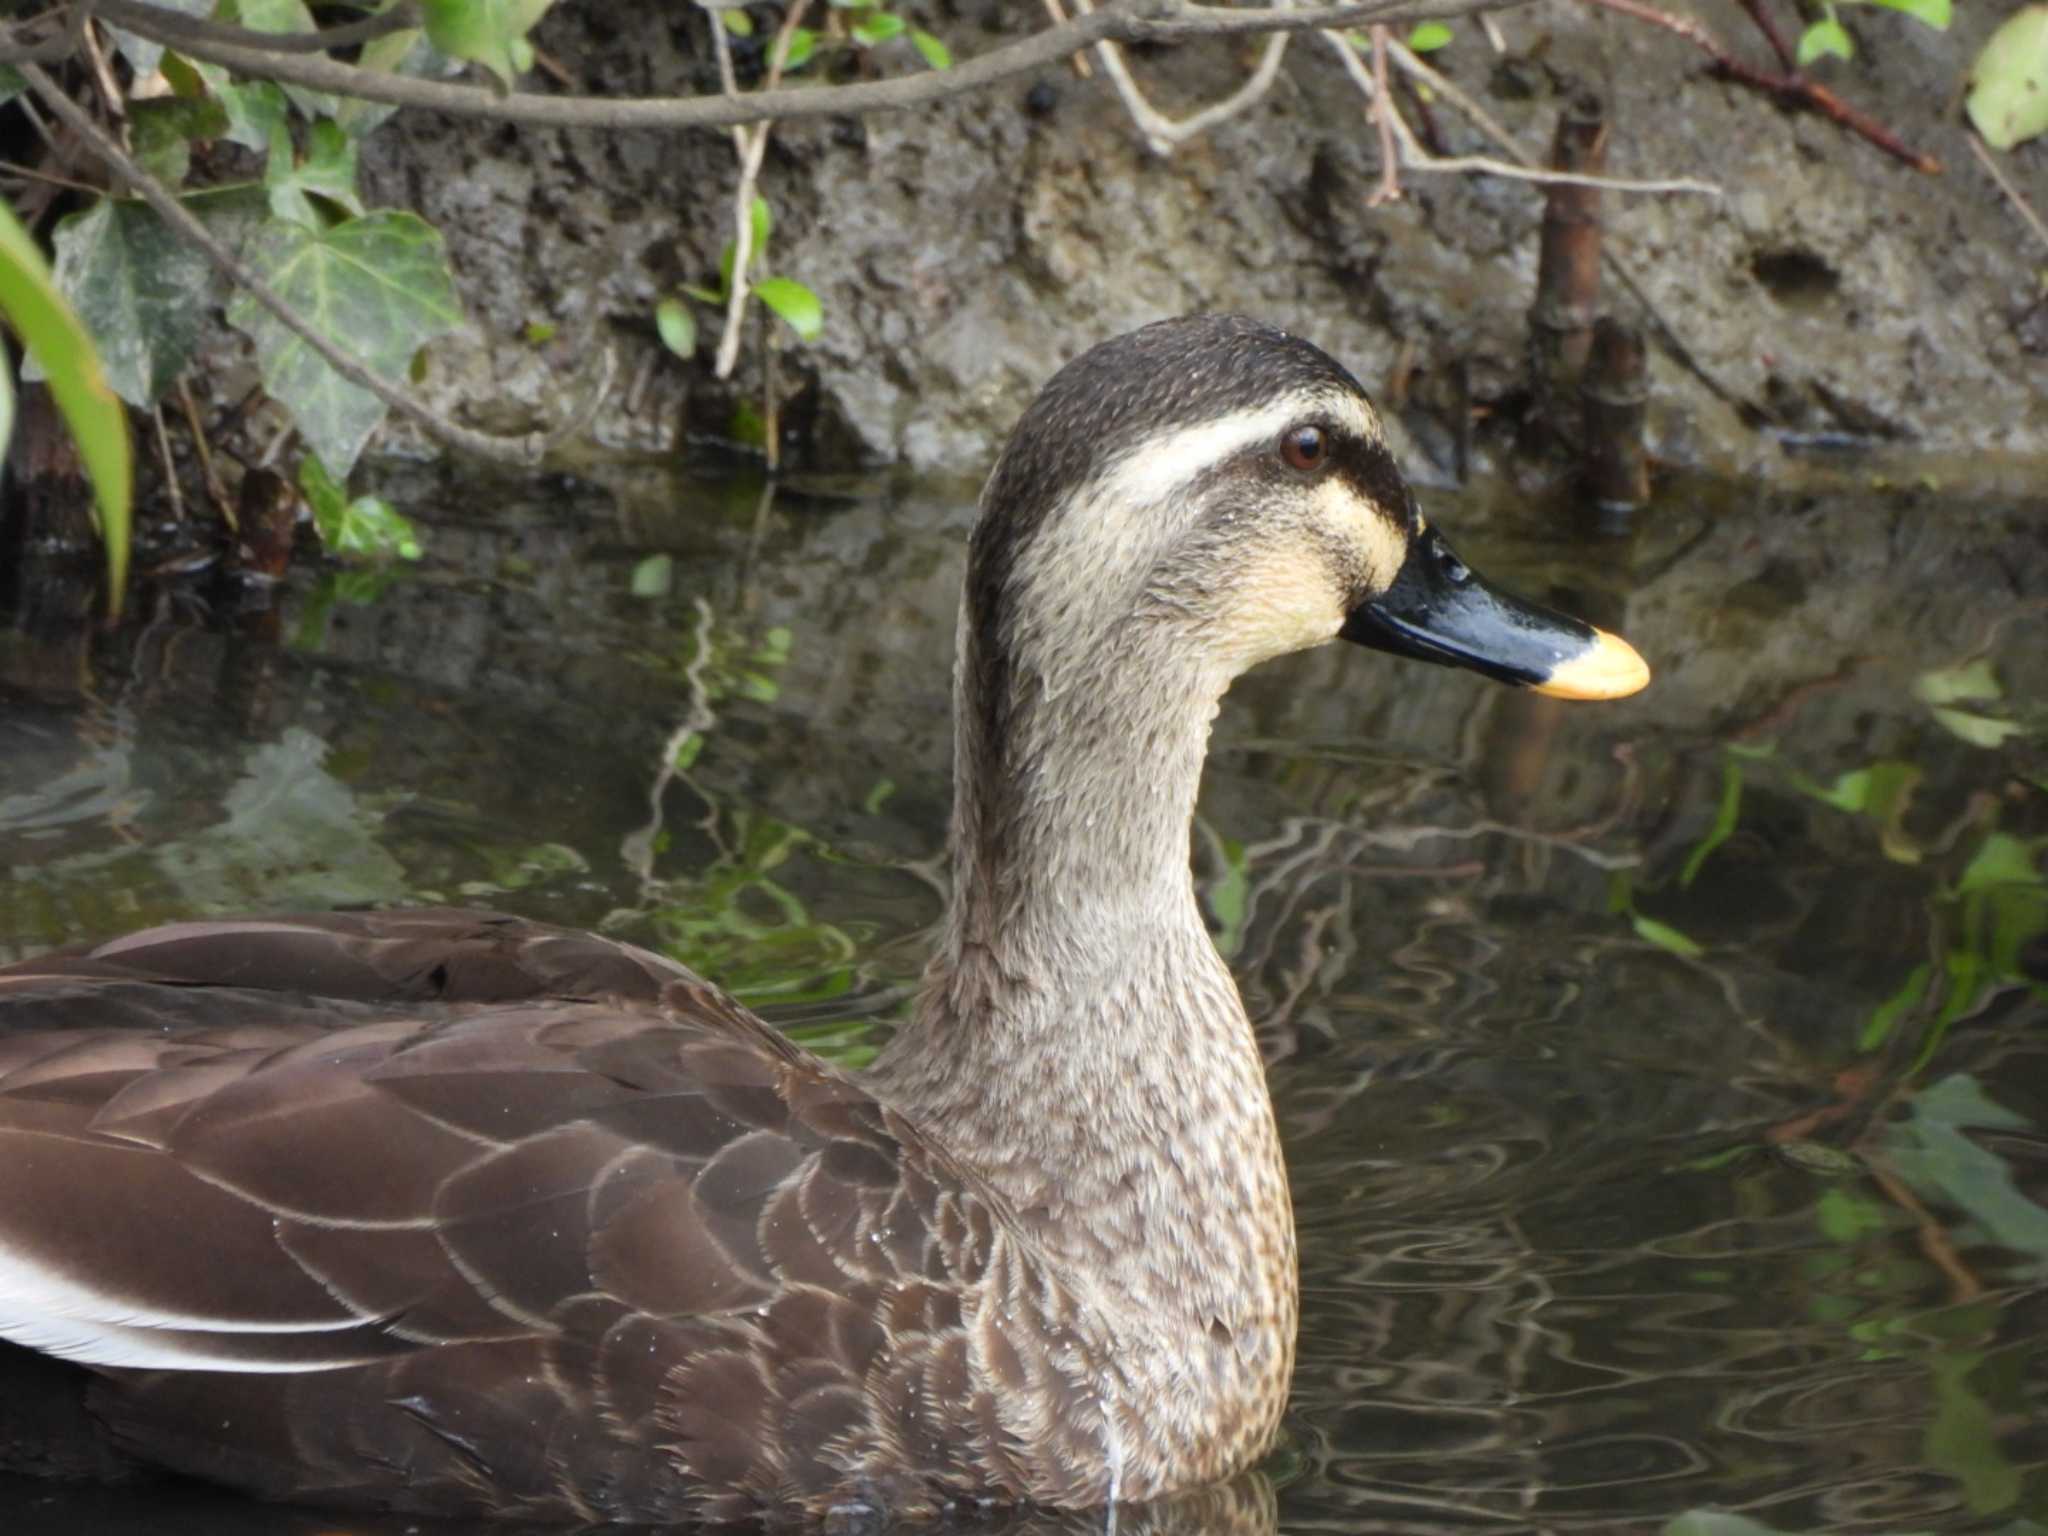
column 1664, row 1082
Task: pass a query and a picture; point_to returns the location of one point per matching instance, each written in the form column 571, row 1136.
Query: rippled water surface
column 1665, row 1082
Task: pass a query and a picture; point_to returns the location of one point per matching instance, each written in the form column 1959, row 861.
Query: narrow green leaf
column 1986, row 731
column 1428, row 36
column 1884, row 1018
column 935, row 53
column 1934, row 13
column 2008, row 98
column 1826, row 36
column 803, row 43
column 877, row 27
column 794, row 303
column 54, row 335
column 379, row 287
column 763, row 221
column 677, row 324
column 1664, row 936
column 1725, row 819
column 705, row 295
column 6, row 400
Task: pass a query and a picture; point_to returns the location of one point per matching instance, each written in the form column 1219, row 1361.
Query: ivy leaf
column 139, row 289
column 328, row 170
column 487, row 32
column 34, row 306
column 163, row 128
column 935, row 53
column 1826, row 36
column 368, row 527
column 795, row 303
column 2008, row 100
column 677, row 325
column 1429, row 36
column 290, row 17
column 146, row 55
column 377, row 286
column 395, row 53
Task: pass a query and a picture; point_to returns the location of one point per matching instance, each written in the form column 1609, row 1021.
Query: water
column 1665, row 1082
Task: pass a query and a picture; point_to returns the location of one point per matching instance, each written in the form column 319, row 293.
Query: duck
column 454, row 1213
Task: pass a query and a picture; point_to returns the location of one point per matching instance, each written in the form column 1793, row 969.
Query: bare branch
column 174, row 213
column 1161, row 132
column 1124, row 21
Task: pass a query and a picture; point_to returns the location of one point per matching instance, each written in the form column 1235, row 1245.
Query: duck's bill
column 1439, row 609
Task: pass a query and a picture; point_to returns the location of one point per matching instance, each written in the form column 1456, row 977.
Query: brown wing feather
column 588, row 1239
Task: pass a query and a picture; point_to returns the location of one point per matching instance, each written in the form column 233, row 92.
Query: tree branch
column 1122, row 21
column 521, row 451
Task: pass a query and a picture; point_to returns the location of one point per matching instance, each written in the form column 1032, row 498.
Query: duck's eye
column 1306, row 449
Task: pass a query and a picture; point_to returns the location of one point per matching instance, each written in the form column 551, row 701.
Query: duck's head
column 1215, row 489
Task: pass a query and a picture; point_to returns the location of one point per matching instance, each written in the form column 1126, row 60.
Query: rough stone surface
column 962, row 252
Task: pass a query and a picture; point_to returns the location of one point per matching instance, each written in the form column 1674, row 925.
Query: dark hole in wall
column 1796, row 278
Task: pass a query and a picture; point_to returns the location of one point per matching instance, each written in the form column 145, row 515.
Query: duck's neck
column 1079, row 1042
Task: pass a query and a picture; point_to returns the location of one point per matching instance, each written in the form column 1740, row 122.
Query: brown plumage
column 451, row 1212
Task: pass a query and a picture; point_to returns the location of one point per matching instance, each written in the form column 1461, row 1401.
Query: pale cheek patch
column 1363, row 532
column 1284, row 600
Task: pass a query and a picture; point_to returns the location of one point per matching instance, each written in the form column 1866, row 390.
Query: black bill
column 1439, row 609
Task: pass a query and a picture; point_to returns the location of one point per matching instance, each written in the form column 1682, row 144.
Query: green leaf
column 762, row 222
column 11, row 83
column 367, row 527
column 935, row 53
column 1931, row 1153
column 162, row 129
column 803, row 43
column 1428, row 36
column 654, row 576
column 407, row 52
column 737, row 22
column 1986, row 731
column 1974, row 682
column 378, row 287
column 678, row 326
column 876, row 27
column 794, row 303
column 2001, row 859
column 1664, row 936
column 1826, row 36
column 145, row 55
column 288, row 16
column 139, row 289
column 1934, row 13
column 54, row 335
column 1884, row 1018
column 1725, row 819
column 487, row 32
column 328, row 171
column 2008, row 99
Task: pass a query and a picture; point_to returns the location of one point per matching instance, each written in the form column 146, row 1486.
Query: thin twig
column 1124, row 21
column 171, row 211
column 163, row 448
column 1057, row 13
column 1161, row 132
column 2013, row 194
column 1793, row 87
column 204, row 452
column 1414, row 157
column 1383, row 113
column 751, row 144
